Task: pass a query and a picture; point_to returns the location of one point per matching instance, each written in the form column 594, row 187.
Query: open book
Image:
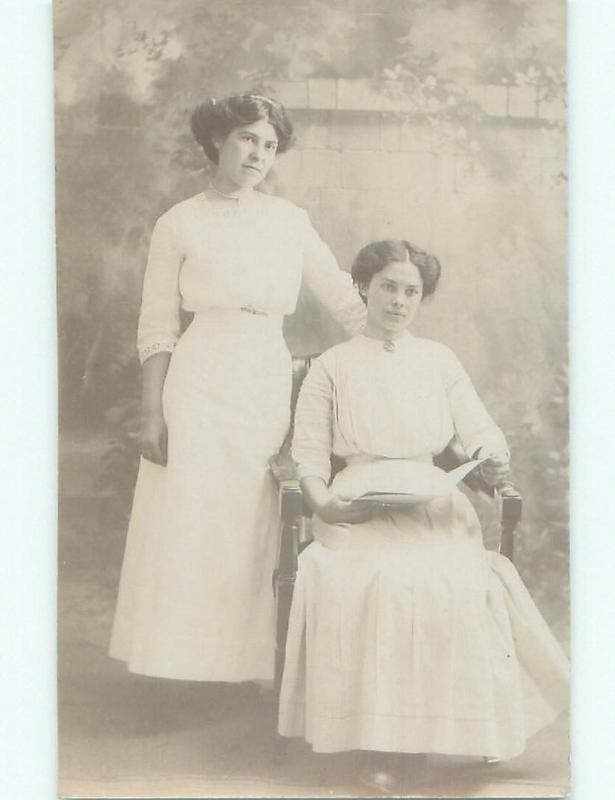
column 399, row 482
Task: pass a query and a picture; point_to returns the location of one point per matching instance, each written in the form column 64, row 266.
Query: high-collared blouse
column 251, row 255
column 360, row 399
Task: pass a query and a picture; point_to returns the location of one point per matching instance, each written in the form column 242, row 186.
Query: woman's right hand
column 336, row 510
column 153, row 438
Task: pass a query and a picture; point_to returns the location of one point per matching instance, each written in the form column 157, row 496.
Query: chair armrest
column 291, row 507
column 507, row 495
column 511, row 503
column 453, row 456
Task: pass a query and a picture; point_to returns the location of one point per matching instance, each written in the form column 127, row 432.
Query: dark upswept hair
column 217, row 118
column 374, row 257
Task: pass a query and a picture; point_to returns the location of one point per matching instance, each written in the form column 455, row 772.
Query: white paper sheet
column 400, row 482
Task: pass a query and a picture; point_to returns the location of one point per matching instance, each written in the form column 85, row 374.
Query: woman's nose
column 399, row 300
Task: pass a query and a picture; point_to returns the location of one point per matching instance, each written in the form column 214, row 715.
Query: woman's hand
column 333, row 508
column 153, row 438
column 495, row 469
column 153, row 435
column 338, row 510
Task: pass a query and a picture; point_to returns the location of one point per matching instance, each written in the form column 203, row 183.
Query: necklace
column 390, row 344
column 222, row 194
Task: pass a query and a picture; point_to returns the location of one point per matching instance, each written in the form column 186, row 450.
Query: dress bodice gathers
column 404, row 404
column 250, row 256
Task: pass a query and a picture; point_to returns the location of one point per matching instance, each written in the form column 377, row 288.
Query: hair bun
column 201, row 120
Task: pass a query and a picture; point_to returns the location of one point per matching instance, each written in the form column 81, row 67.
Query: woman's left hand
column 495, row 469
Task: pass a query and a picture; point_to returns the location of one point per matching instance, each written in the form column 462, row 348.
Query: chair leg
column 291, row 508
column 284, row 594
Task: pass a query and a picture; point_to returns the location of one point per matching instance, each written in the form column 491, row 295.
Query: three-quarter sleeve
column 332, row 286
column 473, row 424
column 159, row 321
column 313, row 430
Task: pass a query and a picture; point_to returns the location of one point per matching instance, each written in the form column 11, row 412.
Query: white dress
column 195, row 599
column 406, row 635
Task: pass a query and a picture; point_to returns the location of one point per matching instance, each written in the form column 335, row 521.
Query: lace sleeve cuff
column 152, row 349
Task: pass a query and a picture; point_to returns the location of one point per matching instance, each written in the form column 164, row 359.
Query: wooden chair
column 294, row 513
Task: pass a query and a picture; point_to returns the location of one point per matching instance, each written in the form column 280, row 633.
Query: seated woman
column 406, row 635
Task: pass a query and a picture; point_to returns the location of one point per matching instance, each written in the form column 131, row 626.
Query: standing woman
column 195, row 599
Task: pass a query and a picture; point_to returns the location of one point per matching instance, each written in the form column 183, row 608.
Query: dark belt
column 252, row 310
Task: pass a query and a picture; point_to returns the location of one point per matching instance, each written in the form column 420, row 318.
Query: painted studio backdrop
column 440, row 121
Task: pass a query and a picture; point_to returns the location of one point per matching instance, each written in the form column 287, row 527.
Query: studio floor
column 128, row 736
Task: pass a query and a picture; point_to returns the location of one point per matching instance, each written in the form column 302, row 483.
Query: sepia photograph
column 313, row 368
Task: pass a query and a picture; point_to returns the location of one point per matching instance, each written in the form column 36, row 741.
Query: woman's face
column 246, row 155
column 393, row 297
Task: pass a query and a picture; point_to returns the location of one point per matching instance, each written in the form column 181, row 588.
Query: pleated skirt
column 406, row 635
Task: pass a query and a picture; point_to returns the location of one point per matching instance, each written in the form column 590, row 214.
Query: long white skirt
column 195, row 599
column 406, row 635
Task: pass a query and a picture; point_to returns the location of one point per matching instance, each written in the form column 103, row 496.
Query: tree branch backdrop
column 442, row 121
